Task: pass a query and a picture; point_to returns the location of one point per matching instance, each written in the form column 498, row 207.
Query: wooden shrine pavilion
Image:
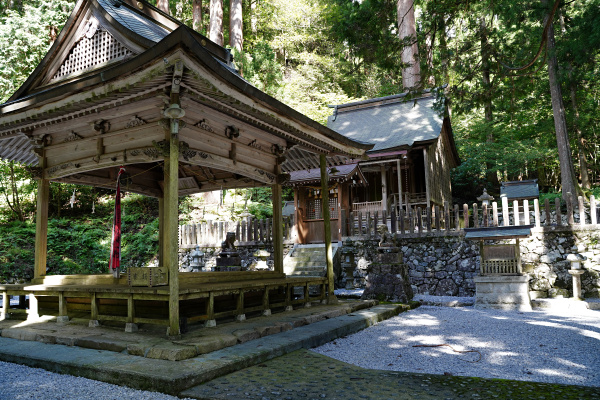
column 126, row 85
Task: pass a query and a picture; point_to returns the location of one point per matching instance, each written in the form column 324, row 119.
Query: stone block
column 507, row 292
column 213, row 343
column 245, row 335
column 101, row 343
column 268, row 330
column 20, row 334
column 171, row 352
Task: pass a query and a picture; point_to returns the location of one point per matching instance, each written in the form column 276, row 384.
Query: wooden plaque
column 147, row 276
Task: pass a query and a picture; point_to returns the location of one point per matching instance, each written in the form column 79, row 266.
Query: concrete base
column 289, row 308
column 130, row 327
column 62, row 320
column 266, row 312
column 240, row 318
column 93, row 323
column 503, row 292
column 307, row 305
column 211, row 323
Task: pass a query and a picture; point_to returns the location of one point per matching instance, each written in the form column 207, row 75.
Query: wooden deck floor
column 202, row 297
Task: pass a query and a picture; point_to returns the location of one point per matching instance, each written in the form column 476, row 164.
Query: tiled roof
column 401, row 122
column 520, row 190
column 340, row 172
column 136, row 22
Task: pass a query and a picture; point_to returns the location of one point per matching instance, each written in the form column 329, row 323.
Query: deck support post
column 399, row 177
column 210, row 311
column 266, row 303
column 130, row 326
column 93, row 312
column 331, row 299
column 33, row 311
column 5, row 306
column 41, row 223
column 63, row 316
column 240, row 315
column 288, row 297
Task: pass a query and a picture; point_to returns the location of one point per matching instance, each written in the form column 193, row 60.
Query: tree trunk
column 411, row 74
column 216, row 22
column 567, row 173
column 492, row 175
column 443, row 43
column 163, row 5
column 236, row 35
column 197, row 15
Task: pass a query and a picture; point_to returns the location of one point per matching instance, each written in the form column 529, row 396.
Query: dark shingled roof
column 498, row 232
column 388, row 122
column 135, row 21
column 520, row 190
column 341, row 173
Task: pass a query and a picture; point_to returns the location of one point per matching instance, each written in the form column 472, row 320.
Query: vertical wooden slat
column 495, row 213
column 93, row 307
column 41, row 223
column 570, row 210
column 343, row 223
column 375, row 222
column 536, row 213
column 401, row 218
column 484, row 212
column 171, row 184
column 411, row 221
column 369, row 223
column 526, row 212
column 581, row 211
column 547, row 212
column 516, row 212
column 130, row 309
column 447, row 216
column 593, row 214
column 428, row 219
column 505, row 215
column 419, row 220
column 255, row 231
column 466, row 215
column 438, row 215
column 351, row 223
column 210, row 311
column 456, row 217
column 384, row 217
column 475, row 216
column 238, row 231
column 327, row 226
column 62, row 305
column 393, row 222
column 558, row 211
column 360, row 224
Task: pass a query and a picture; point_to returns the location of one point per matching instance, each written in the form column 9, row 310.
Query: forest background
column 494, row 58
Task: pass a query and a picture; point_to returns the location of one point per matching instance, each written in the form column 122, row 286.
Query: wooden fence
column 212, row 234
column 445, row 219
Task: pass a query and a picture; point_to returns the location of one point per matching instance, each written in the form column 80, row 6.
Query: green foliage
column 261, row 68
column 25, row 38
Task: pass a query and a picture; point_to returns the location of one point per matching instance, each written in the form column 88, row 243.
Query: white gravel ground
column 24, row 383
column 542, row 346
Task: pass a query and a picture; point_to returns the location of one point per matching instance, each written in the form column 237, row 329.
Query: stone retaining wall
column 445, row 265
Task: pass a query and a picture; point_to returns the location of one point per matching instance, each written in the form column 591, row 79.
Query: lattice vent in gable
column 91, row 50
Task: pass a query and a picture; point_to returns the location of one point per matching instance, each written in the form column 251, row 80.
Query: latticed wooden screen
column 315, row 211
column 100, row 48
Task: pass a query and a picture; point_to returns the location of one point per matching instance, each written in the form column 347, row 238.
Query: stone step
column 316, row 270
column 306, row 273
column 311, row 263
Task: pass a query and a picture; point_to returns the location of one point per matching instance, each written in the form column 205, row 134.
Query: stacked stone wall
column 446, row 265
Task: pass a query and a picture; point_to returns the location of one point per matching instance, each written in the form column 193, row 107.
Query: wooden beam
column 327, row 228
column 277, row 227
column 108, row 183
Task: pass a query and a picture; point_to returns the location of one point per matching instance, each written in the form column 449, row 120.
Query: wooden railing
column 368, row 206
column 212, row 234
column 438, row 219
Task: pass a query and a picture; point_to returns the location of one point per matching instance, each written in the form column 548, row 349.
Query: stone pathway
column 304, row 375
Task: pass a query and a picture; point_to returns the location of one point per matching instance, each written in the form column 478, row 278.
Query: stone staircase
column 307, row 260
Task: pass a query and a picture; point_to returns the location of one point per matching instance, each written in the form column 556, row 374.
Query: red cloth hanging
column 115, row 244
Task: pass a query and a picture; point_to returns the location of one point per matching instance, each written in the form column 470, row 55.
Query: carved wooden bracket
column 102, row 126
column 232, row 132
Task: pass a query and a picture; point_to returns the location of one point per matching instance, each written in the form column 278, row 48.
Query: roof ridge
column 410, row 95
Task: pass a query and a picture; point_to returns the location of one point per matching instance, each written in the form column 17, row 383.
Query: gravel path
column 24, row 383
column 541, row 346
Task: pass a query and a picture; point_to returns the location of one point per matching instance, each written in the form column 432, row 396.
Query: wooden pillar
column 277, row 225
column 5, row 306
column 41, row 223
column 384, row 193
column 427, row 187
column 399, row 183
column 170, row 231
column 63, row 316
column 161, row 237
column 327, row 228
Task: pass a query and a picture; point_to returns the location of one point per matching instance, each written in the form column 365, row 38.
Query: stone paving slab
column 304, row 375
column 171, row 376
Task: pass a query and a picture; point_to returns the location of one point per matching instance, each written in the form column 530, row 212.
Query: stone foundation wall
column 446, row 265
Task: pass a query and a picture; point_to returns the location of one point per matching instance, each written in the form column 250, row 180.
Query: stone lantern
column 485, row 198
column 576, row 271
column 197, row 263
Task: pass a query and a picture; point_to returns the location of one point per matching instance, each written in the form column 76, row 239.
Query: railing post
column 427, row 220
column 570, row 207
column 401, row 218
column 505, row 215
column 495, row 213
column 393, row 221
column 558, row 211
column 456, row 218
column 526, row 211
column 466, row 215
column 484, row 211
column 593, row 215
column 411, row 222
column 446, row 216
column 581, row 211
column 360, row 230
column 516, row 212
column 369, row 222
column 351, row 223
column 438, row 221
column 536, row 212
column 547, row 212
column 475, row 216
